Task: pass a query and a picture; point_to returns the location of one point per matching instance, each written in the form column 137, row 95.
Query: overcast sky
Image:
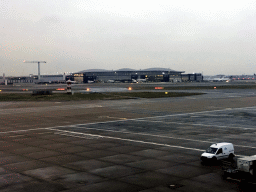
column 209, row 37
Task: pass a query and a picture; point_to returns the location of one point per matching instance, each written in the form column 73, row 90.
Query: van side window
column 219, row 151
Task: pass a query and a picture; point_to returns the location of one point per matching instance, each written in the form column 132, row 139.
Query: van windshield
column 211, row 150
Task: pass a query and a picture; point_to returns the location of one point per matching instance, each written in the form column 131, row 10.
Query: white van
column 218, row 151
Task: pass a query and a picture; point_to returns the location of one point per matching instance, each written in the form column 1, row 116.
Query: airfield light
column 60, row 89
column 215, row 87
column 88, row 89
column 129, row 88
column 166, row 93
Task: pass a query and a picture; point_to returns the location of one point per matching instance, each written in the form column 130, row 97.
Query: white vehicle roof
column 218, row 145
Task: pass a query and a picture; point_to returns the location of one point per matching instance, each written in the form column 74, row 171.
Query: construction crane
column 38, row 66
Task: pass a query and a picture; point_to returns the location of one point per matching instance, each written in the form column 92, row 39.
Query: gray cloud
column 213, row 37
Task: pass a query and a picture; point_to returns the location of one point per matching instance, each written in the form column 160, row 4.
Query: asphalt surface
column 124, row 145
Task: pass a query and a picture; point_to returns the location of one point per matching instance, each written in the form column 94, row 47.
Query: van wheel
column 214, row 160
column 202, row 162
column 224, row 175
column 231, row 156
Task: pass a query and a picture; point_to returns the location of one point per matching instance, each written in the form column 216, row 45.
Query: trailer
column 242, row 170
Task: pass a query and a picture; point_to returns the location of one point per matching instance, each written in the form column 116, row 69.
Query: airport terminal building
column 131, row 75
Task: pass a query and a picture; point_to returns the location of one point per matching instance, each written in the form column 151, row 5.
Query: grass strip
column 89, row 96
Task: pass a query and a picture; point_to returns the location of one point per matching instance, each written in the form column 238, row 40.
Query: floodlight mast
column 38, row 66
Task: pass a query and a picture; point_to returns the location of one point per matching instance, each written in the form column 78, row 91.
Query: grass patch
column 88, row 96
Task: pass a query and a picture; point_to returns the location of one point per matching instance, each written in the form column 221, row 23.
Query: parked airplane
column 218, row 78
column 138, row 80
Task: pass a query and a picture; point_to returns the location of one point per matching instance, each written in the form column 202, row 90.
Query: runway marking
column 131, row 140
column 26, row 130
column 152, row 135
column 76, row 134
column 172, row 115
column 108, row 117
column 17, row 136
column 144, row 134
column 91, row 136
column 199, row 124
column 53, row 108
column 86, row 135
column 101, row 136
column 44, row 133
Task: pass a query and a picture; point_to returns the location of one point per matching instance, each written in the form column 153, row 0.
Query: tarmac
column 144, row 145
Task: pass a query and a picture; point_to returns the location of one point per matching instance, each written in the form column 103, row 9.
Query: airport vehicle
column 244, row 169
column 218, row 151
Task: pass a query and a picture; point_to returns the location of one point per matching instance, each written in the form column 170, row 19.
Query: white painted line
column 131, row 140
column 108, row 117
column 146, row 118
column 77, row 135
column 73, row 132
column 53, row 108
column 203, row 125
column 212, row 115
column 26, row 130
column 146, row 134
column 18, row 136
column 44, row 133
column 172, row 115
